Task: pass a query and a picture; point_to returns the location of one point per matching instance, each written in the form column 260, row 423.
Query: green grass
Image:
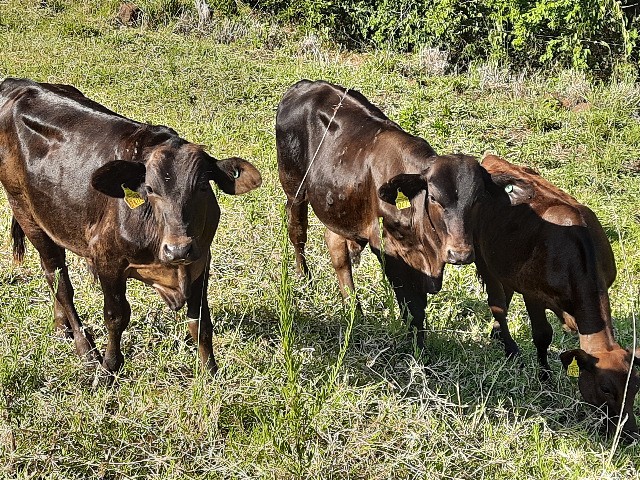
column 306, row 389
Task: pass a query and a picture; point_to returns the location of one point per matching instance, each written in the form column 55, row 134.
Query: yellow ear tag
column 402, row 201
column 573, row 370
column 133, row 199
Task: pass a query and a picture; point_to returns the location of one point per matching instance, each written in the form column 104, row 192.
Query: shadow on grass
column 473, row 374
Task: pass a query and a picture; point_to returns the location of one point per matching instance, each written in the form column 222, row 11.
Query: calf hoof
column 85, row 348
column 359, row 312
column 629, row 437
column 304, row 272
column 113, row 363
column 416, row 337
column 544, row 374
column 512, row 351
column 211, row 366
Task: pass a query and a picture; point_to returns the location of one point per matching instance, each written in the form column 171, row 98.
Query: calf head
column 603, row 381
column 174, row 184
column 436, row 229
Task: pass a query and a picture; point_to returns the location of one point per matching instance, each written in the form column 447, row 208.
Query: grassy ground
column 304, row 390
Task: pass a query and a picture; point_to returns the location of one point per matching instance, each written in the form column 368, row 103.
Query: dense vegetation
column 305, row 390
column 585, row 34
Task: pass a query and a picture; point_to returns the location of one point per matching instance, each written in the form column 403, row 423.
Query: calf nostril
column 460, row 257
column 177, row 251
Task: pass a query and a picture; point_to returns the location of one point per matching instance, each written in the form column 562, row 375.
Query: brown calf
column 69, row 165
column 532, row 238
column 342, row 155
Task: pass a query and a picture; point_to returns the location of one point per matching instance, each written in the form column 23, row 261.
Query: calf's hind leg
column 52, row 259
column 297, row 225
column 341, row 251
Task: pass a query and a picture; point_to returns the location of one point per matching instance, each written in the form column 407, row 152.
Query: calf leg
column 499, row 299
column 542, row 333
column 117, row 313
column 341, row 250
column 411, row 299
column 200, row 325
column 297, row 225
column 412, row 305
column 52, row 259
column 341, row 261
column 60, row 320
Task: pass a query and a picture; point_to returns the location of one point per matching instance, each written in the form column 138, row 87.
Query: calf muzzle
column 460, row 256
column 182, row 252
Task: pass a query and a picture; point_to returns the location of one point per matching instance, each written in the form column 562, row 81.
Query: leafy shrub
column 583, row 34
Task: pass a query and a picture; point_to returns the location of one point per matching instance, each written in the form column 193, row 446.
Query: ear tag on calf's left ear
column 508, row 188
column 133, row 199
column 402, row 201
column 573, row 370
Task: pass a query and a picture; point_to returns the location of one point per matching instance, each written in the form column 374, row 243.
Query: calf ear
column 408, row 183
column 585, row 361
column 235, row 176
column 517, row 190
column 110, row 177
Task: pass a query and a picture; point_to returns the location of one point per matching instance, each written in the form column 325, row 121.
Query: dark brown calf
column 342, row 155
column 67, row 164
column 532, row 238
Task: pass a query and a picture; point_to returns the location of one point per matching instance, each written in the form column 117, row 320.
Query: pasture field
column 306, row 390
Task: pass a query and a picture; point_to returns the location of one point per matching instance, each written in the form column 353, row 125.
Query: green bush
column 583, row 34
column 592, row 35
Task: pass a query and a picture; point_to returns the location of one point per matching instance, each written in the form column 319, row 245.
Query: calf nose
column 176, row 252
column 459, row 257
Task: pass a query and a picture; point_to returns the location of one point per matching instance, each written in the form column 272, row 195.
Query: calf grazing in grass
column 532, row 238
column 342, row 155
column 133, row 199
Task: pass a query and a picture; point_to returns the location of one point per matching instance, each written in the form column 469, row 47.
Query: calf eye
column 148, row 189
column 604, row 389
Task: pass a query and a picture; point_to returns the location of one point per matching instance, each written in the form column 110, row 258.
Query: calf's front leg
column 199, row 316
column 341, row 256
column 542, row 334
column 498, row 298
column 117, row 314
column 412, row 300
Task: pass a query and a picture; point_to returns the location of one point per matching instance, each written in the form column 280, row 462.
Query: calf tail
column 17, row 234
